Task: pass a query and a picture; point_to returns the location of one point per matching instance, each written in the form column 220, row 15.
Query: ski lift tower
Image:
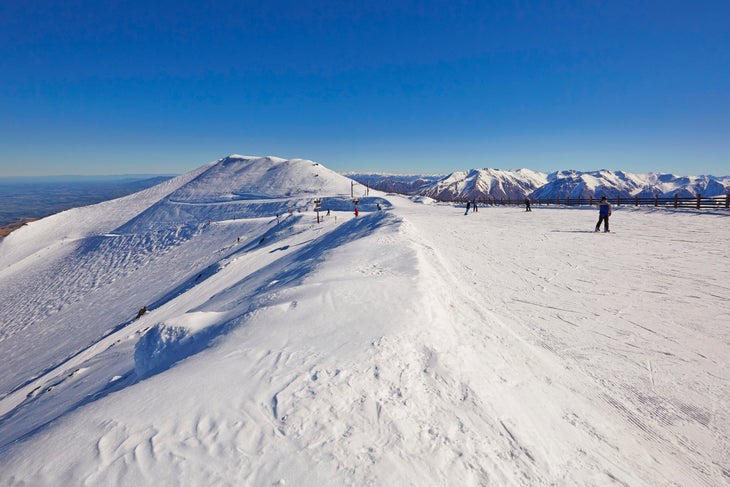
column 352, row 188
column 317, row 207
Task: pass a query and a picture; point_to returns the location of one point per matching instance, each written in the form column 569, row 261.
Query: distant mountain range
column 484, row 184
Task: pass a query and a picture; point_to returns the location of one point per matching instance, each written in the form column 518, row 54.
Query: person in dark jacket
column 604, row 211
column 527, row 204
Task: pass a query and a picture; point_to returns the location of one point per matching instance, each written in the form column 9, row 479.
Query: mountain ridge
column 485, row 184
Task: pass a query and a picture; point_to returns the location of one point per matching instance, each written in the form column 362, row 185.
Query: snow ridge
column 409, row 345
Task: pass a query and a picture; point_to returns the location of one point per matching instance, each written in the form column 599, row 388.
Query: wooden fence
column 698, row 202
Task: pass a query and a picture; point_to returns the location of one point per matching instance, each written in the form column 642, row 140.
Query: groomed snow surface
column 412, row 345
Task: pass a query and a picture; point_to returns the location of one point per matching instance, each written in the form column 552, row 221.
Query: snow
column 479, row 183
column 576, row 184
column 409, row 346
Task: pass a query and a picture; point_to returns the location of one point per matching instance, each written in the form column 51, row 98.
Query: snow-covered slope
column 410, row 345
column 59, row 273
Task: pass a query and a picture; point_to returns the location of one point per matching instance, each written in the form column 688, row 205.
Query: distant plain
column 27, row 199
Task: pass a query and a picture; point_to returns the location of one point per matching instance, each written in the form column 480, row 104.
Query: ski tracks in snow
column 609, row 374
column 496, row 353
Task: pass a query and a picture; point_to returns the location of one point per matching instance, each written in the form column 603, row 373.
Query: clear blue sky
column 95, row 87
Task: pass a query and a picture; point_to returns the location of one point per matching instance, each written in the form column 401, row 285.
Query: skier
column 142, row 311
column 527, row 204
column 604, row 211
column 474, row 204
column 357, row 212
column 468, row 205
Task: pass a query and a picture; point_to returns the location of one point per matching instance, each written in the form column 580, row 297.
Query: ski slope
column 408, row 346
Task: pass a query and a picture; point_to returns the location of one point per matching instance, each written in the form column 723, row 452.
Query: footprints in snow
column 408, row 398
column 55, row 383
column 371, row 270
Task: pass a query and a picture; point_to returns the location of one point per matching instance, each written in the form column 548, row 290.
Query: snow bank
column 165, row 344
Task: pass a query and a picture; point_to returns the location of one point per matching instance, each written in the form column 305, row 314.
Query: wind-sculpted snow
column 411, row 345
column 165, row 344
column 136, row 259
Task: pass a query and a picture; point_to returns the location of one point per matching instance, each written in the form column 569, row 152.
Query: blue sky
column 90, row 87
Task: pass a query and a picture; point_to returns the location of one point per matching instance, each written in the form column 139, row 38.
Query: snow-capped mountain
column 481, row 184
column 574, row 184
column 666, row 185
column 217, row 330
column 496, row 184
column 485, row 183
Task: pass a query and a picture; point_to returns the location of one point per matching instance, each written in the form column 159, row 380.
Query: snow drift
column 411, row 345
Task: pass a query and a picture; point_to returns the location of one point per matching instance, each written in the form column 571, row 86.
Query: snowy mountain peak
column 483, row 183
column 246, row 177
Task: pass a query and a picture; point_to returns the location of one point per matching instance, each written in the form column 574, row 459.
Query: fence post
column 656, row 200
column 727, row 200
column 699, row 202
column 618, row 200
column 591, row 200
column 676, row 200
column 636, row 202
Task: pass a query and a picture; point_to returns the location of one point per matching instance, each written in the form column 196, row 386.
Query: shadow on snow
column 164, row 345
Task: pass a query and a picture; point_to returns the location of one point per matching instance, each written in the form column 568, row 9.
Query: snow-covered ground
column 408, row 346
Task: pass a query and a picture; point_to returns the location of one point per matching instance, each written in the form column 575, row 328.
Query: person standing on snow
column 604, row 211
column 527, row 204
column 468, row 205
